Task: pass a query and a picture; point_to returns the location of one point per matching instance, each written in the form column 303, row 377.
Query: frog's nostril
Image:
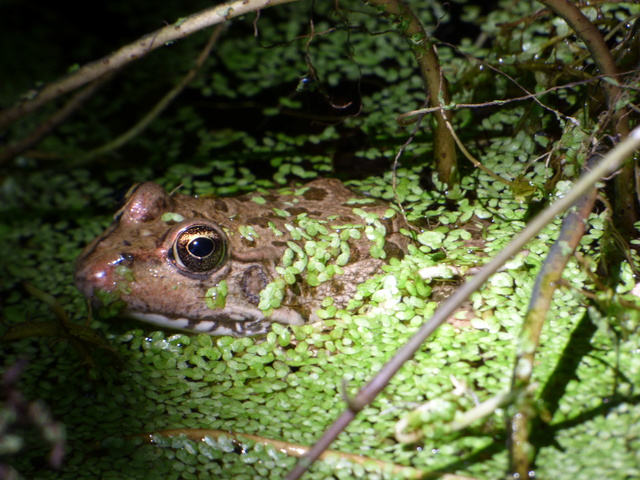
column 125, row 259
column 100, row 274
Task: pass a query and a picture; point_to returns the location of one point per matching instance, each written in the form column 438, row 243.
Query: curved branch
column 54, row 120
column 625, row 201
column 180, row 29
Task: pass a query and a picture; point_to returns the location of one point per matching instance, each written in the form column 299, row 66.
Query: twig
column 402, row 119
column 54, row 120
column 625, row 200
column 296, row 450
column 396, row 164
column 164, row 102
column 593, row 40
column 476, row 163
column 134, row 51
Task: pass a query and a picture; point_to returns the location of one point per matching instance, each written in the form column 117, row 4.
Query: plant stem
column 409, row 26
column 523, row 410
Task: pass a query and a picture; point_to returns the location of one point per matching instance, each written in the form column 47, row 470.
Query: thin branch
column 512, row 80
column 609, row 164
column 625, row 201
column 396, row 164
column 476, row 163
column 402, row 119
column 54, row 120
column 159, row 107
column 592, row 38
column 295, row 450
column 134, row 51
column 600, row 53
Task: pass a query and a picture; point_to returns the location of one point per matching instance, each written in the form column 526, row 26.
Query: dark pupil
column 201, row 247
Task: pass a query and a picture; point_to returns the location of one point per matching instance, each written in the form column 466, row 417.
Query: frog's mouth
column 237, row 324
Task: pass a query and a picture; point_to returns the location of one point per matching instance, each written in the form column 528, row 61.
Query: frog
column 237, row 265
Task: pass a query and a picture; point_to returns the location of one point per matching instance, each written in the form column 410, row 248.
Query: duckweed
column 288, row 384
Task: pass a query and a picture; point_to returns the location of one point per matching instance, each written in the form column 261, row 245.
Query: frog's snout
column 97, row 274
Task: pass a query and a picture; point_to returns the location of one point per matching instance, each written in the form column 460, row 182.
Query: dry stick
column 54, row 120
column 610, row 163
column 512, row 80
column 159, row 107
column 547, row 280
column 405, row 20
column 138, row 49
column 476, row 163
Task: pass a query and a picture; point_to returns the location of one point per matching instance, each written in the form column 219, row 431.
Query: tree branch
column 164, row 102
column 180, row 29
column 600, row 53
column 625, row 200
column 523, row 410
column 54, row 120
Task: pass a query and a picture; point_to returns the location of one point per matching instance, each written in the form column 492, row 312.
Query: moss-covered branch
column 523, row 410
column 410, row 27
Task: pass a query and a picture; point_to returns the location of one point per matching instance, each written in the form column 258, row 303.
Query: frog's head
column 167, row 263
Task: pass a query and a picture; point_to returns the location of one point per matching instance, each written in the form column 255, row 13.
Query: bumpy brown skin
column 159, row 289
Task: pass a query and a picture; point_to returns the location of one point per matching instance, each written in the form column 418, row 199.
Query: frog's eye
column 199, row 249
